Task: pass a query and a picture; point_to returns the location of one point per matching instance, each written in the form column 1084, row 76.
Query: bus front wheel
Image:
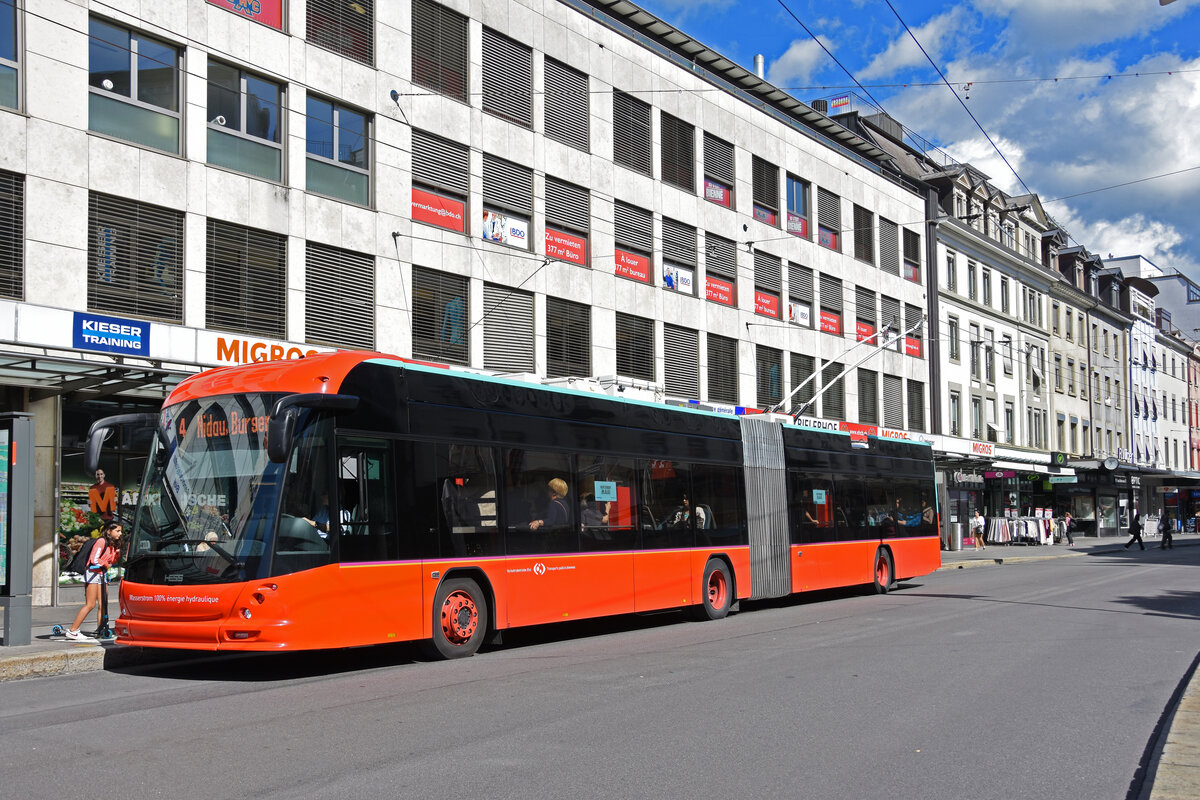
column 716, row 590
column 885, row 573
column 459, row 618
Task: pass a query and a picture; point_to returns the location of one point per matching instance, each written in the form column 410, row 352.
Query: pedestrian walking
column 103, row 555
column 1068, row 523
column 1135, row 531
column 977, row 528
column 1166, row 527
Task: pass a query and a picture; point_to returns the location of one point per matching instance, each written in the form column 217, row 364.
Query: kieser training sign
column 110, row 335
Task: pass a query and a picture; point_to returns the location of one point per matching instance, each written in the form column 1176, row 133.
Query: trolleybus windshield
column 210, row 500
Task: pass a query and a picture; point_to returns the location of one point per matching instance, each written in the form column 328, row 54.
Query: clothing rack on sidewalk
column 1021, row 530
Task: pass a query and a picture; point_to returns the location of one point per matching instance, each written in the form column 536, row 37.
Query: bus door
column 381, row 597
column 662, row 562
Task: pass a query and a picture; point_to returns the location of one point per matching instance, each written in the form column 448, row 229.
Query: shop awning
column 79, row 379
column 1042, row 469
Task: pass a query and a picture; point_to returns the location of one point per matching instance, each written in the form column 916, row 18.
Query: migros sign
column 235, row 350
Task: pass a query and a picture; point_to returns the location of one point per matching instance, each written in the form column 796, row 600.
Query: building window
column 339, row 297
column 889, row 313
column 829, row 219
column 955, row 409
column 765, row 191
column 133, row 87
column 678, row 153
column 865, row 318
column 440, row 174
column 916, row 405
column 135, row 259
column 800, row 295
column 722, row 369
column 246, row 280
column 953, row 334
column 507, row 329
column 566, row 105
column 864, row 234
column 833, row 401
column 9, row 81
column 831, row 305
column 343, row 28
column 244, row 122
column 976, row 417
column 768, row 372
column 976, row 346
column 972, row 281
column 803, row 367
column 679, row 256
column 567, row 217
column 635, row 347
column 893, row 401
column 631, row 132
column 339, row 161
column 507, row 78
column 681, row 370
column 889, row 247
column 12, row 235
column 439, row 49
column 797, row 206
column 440, row 316
column 568, row 338
column 914, row 338
column 720, row 270
column 868, row 396
column 986, row 284
column 507, row 202
column 989, row 356
column 718, row 171
column 1006, row 347
column 1004, row 294
column 633, row 233
column 768, row 284
column 951, row 273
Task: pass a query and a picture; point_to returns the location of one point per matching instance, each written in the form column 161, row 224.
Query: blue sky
column 1114, row 116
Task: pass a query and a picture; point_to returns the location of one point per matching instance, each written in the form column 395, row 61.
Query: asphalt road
column 1044, row 680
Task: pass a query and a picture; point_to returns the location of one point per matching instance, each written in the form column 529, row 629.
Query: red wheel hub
column 717, row 589
column 881, row 572
column 460, row 617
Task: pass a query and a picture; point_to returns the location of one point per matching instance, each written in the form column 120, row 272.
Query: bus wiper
column 216, row 548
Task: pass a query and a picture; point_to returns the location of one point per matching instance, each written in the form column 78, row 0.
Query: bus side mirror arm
column 281, row 428
column 101, row 429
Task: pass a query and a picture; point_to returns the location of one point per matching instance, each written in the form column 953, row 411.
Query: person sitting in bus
column 927, row 515
column 556, row 514
column 591, row 513
column 898, row 515
column 683, row 514
column 320, row 520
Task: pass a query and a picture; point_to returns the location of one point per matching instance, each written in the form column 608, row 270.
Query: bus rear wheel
column 885, row 573
column 716, row 589
column 460, row 617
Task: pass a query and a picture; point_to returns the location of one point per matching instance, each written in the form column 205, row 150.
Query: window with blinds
column 440, row 181
column 439, row 49
column 440, row 316
column 829, row 219
column 507, row 329
column 507, row 78
column 802, row 370
column 800, row 295
column 913, row 340
column 246, row 281
column 635, row 347
column 507, row 201
column 833, row 401
column 135, row 258
column 797, row 206
column 678, row 153
column 633, row 234
column 864, row 312
column 631, row 132
column 12, row 235
column 889, row 247
column 831, row 305
column 679, row 256
column 916, row 406
column 566, row 105
column 768, row 283
column 868, row 396
column 681, row 367
column 339, row 297
column 864, row 234
column 893, row 402
column 765, row 190
column 720, row 265
column 768, row 375
column 344, row 28
column 912, row 256
column 567, row 218
column 718, row 171
column 889, row 314
column 722, row 369
column 568, row 338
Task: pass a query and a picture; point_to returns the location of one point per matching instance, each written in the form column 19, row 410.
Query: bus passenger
column 556, row 514
column 593, row 514
column 684, row 513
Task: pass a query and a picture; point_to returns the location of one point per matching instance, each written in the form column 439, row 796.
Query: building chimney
column 758, row 66
column 821, row 105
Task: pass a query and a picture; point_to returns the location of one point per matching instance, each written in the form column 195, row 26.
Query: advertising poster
column 718, row 290
column 505, row 229
column 717, row 193
column 566, row 247
column 678, row 278
column 830, row 322
column 434, row 209
column 800, row 314
column 268, row 12
column 864, row 331
column 632, row 265
column 766, row 304
column 797, row 225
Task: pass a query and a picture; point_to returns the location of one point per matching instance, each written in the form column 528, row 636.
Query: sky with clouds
column 1125, row 106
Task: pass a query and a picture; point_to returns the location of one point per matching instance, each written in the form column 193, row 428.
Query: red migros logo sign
column 225, row 350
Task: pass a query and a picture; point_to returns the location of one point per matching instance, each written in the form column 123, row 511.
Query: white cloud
column 1048, row 27
column 903, row 52
column 802, row 58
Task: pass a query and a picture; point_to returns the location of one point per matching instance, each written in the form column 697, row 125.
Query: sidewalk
column 1174, row 771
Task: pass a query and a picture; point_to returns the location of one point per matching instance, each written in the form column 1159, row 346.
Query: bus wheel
column 716, row 590
column 885, row 575
column 459, row 618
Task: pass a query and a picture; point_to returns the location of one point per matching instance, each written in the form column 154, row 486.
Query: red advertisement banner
column 864, row 331
column 632, row 265
column 912, row 346
column 797, row 225
column 268, row 12
column 717, row 193
column 718, row 290
column 766, row 304
column 765, row 215
column 435, row 209
column 566, row 247
column 830, row 322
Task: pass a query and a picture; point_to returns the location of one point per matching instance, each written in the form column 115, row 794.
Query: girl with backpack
column 103, row 554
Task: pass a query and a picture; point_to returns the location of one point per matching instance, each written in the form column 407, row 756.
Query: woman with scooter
column 104, row 554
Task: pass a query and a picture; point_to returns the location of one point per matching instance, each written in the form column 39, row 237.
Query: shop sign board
column 110, row 335
column 225, row 350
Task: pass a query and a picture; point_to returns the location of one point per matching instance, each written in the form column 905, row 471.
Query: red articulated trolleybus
column 353, row 498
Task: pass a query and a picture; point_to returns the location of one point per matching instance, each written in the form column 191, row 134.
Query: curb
column 1177, row 770
column 77, row 658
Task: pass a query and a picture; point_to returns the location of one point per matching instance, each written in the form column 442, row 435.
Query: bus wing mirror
column 101, row 429
column 281, row 428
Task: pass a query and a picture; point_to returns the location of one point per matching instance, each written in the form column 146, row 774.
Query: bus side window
column 365, row 503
